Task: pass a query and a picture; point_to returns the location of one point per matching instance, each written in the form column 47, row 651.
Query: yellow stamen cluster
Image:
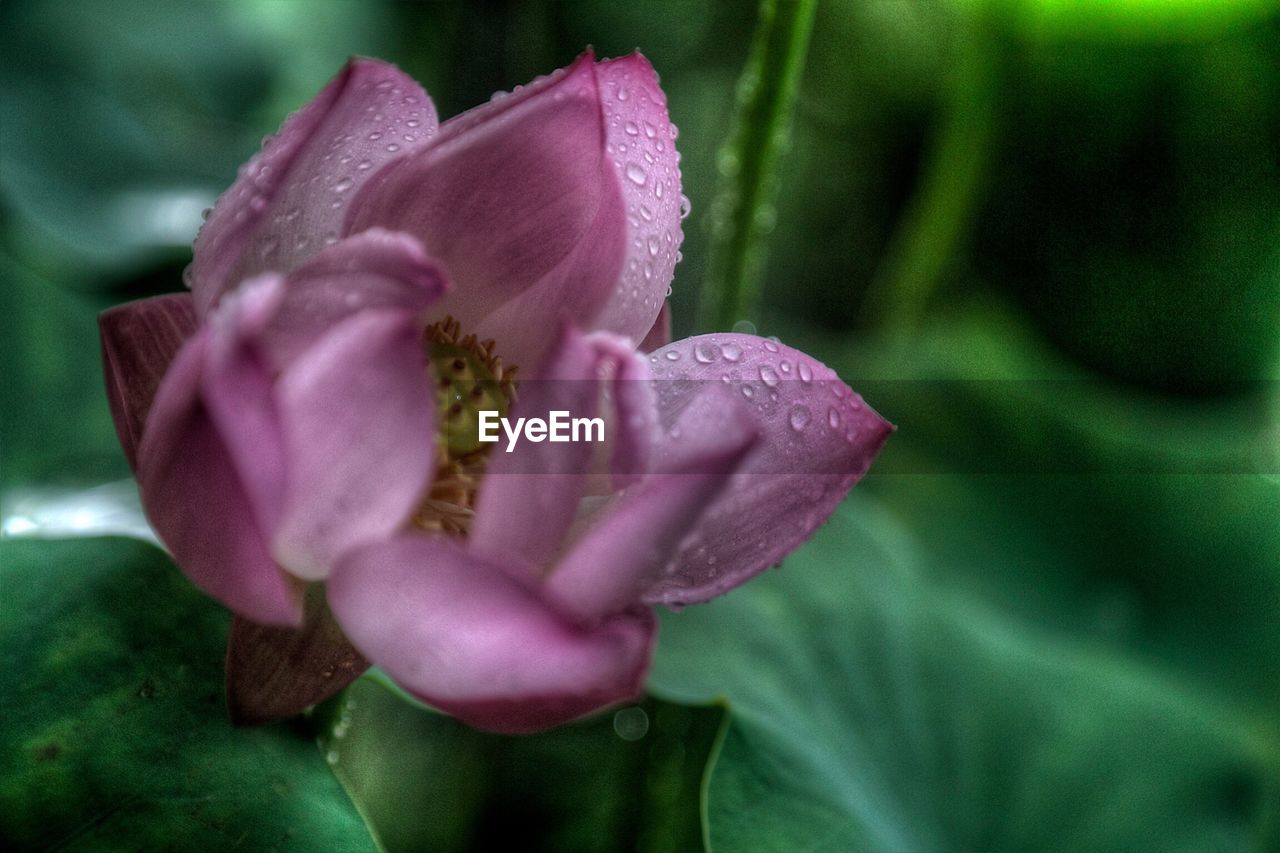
column 469, row 378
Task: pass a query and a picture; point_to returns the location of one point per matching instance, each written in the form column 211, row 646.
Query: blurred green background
column 1041, row 236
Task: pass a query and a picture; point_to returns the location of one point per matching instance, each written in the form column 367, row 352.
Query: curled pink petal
column 292, row 197
column 195, row 499
column 632, row 409
column 139, row 342
column 628, row 546
column 522, row 206
column 375, row 270
column 642, row 143
column 529, row 496
column 461, row 633
column 358, row 420
column 659, row 335
column 236, row 388
column 817, row 439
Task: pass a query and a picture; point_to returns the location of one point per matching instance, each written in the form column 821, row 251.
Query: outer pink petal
column 819, row 438
column 626, row 550
column 521, row 205
column 195, row 499
column 291, row 198
column 359, row 428
column 465, row 636
column 139, row 341
column 373, row 270
column 641, row 147
column 659, row 335
column 529, row 496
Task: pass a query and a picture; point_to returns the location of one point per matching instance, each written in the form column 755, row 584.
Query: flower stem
column 937, row 220
column 742, row 212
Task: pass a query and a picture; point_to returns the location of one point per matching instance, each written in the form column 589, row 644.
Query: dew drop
column 770, row 345
column 686, row 206
column 785, row 368
column 635, row 174
column 672, row 355
column 731, row 351
column 342, row 185
column 653, row 246
column 748, row 391
column 806, row 372
column 705, row 352
column 799, row 417
column 833, row 417
column 393, row 147
column 375, row 136
column 631, row 128
column 769, row 376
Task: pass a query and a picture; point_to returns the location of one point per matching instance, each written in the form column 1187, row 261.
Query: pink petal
column 529, row 496
column 358, row 419
column 643, row 141
column 627, row 548
column 520, row 204
column 660, row 334
column 632, row 410
column 237, row 392
column 818, row 439
column 195, row 499
column 139, row 341
column 292, row 197
column 461, row 633
column 373, row 270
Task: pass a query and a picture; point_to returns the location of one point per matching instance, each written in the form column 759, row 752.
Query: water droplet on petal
column 833, row 417
column 631, row 128
column 705, row 352
column 653, row 246
column 799, row 417
column 635, row 174
column 748, row 391
column 770, row 345
column 686, row 206
column 731, row 351
column 342, row 185
column 768, row 376
column 672, row 355
column 806, row 372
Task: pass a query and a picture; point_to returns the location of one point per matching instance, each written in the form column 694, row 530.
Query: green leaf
column 115, row 733
column 871, row 711
column 424, row 781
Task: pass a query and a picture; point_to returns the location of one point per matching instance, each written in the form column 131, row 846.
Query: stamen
column 468, row 378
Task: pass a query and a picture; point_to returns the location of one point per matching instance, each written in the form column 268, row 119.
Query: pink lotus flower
column 294, row 419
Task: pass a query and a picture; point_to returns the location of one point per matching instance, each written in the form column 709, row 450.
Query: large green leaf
column 623, row 780
column 872, row 711
column 114, row 731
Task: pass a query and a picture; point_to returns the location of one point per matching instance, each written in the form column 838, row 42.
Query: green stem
column 936, row 223
column 742, row 212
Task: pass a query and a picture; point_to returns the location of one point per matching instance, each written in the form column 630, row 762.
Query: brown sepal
column 273, row 673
